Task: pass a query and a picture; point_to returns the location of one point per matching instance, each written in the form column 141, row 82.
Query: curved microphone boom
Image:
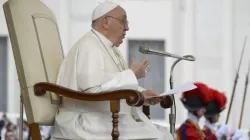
column 146, row 50
column 172, row 115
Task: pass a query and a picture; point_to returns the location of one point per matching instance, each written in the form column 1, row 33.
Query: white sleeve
column 91, row 76
column 141, row 88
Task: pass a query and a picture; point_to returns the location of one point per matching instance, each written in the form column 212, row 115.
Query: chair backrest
column 38, row 54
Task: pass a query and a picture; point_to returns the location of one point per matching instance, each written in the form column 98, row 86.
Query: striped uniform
column 191, row 131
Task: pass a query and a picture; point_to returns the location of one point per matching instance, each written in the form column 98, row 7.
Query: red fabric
column 202, row 90
column 207, row 131
column 191, row 131
column 220, row 98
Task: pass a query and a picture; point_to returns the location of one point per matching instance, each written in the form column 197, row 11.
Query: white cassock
column 92, row 66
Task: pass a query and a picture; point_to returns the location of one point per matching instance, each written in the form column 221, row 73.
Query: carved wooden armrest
column 166, row 102
column 133, row 98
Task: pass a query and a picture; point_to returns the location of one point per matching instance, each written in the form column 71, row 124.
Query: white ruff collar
column 193, row 118
column 210, row 125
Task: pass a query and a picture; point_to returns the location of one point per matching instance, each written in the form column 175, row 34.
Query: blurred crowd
column 10, row 131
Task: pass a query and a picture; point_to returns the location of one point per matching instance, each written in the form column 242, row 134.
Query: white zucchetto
column 102, row 9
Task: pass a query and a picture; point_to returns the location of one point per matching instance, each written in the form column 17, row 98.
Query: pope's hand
column 151, row 101
column 140, row 69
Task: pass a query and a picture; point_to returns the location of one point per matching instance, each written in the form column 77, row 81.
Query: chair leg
column 115, row 109
column 146, row 111
column 35, row 131
column 33, row 128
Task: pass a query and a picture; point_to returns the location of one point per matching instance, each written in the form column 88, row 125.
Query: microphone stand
column 172, row 115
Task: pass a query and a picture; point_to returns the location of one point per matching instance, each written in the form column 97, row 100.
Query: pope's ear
column 105, row 23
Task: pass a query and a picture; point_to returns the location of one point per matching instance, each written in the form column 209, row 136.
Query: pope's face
column 118, row 25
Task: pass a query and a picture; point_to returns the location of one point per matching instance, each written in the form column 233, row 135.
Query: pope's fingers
column 156, row 99
column 145, row 62
column 156, row 94
column 153, row 102
column 148, row 67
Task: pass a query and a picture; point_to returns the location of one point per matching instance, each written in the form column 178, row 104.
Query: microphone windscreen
column 142, row 49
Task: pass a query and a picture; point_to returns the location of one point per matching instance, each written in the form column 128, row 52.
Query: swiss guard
column 196, row 101
column 213, row 110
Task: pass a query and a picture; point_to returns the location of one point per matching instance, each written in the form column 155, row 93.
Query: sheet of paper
column 178, row 89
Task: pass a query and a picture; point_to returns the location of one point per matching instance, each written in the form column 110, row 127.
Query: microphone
column 146, row 50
